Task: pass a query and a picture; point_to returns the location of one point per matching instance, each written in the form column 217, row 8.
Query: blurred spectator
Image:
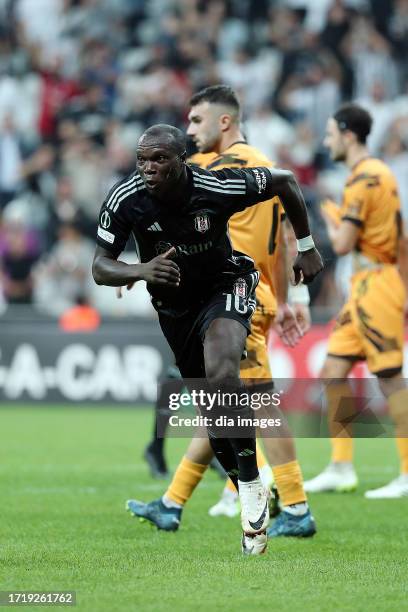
column 382, row 109
column 89, row 111
column 268, row 131
column 66, row 210
column 398, row 32
column 299, row 155
column 80, row 318
column 371, row 58
column 64, row 275
column 87, row 167
column 395, row 154
column 81, row 79
column 10, row 160
column 312, row 94
column 251, row 77
column 20, row 98
column 19, row 251
column 55, row 91
column 40, row 22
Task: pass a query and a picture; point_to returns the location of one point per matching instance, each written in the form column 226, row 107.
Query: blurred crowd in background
column 81, row 79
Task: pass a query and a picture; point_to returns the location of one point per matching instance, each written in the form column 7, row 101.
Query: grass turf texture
column 65, row 475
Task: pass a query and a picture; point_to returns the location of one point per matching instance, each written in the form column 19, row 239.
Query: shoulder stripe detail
column 118, row 190
column 220, row 185
column 134, row 183
column 214, row 179
column 224, row 191
column 217, row 183
column 125, row 195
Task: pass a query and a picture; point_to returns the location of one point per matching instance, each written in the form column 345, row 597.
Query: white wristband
column 298, row 294
column 305, row 244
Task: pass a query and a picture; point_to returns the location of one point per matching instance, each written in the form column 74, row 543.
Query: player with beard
column 370, row 325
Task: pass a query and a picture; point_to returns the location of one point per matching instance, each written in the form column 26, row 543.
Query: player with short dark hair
column 219, row 94
column 259, row 231
column 370, row 325
column 202, row 290
column 356, row 119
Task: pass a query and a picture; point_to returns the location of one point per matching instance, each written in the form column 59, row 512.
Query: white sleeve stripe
column 119, row 190
column 214, row 179
column 223, row 190
column 133, row 182
column 225, row 183
column 255, row 280
column 200, row 182
column 217, row 183
column 124, row 196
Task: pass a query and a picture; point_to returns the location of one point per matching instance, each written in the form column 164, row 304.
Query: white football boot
column 394, row 489
column 337, row 477
column 254, row 500
column 227, row 506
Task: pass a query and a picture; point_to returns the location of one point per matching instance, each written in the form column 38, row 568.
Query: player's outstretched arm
column 308, row 262
column 160, row 270
column 285, row 185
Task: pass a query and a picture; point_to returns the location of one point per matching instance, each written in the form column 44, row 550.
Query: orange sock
column 289, row 482
column 230, row 486
column 402, row 445
column 342, row 450
column 340, row 406
column 260, row 457
column 261, row 461
column 186, row 478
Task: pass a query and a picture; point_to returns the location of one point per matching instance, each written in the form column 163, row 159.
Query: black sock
column 225, row 454
column 245, row 455
column 173, row 384
column 242, row 437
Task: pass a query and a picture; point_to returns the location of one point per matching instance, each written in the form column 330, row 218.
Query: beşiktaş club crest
column 240, row 287
column 202, row 223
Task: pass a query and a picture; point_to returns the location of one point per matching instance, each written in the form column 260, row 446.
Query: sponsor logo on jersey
column 105, row 219
column 202, row 223
column 183, row 249
column 240, row 287
column 260, row 178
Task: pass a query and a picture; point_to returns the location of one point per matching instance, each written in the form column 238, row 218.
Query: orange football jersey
column 255, row 230
column 371, row 201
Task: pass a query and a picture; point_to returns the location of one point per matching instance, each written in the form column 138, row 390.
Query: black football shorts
column 185, row 334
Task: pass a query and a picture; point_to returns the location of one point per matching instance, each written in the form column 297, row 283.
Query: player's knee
column 390, row 381
column 223, row 370
column 335, row 369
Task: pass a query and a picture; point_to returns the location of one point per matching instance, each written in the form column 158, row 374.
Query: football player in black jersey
column 202, row 290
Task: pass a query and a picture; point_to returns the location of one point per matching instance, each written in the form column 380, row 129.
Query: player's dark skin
column 162, row 167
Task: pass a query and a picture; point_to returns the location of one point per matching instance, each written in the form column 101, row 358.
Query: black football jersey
column 196, row 225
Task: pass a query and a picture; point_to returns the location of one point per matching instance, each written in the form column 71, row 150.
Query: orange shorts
column 256, row 365
column 370, row 325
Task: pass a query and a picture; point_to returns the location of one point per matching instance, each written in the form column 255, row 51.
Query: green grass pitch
column 65, row 475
